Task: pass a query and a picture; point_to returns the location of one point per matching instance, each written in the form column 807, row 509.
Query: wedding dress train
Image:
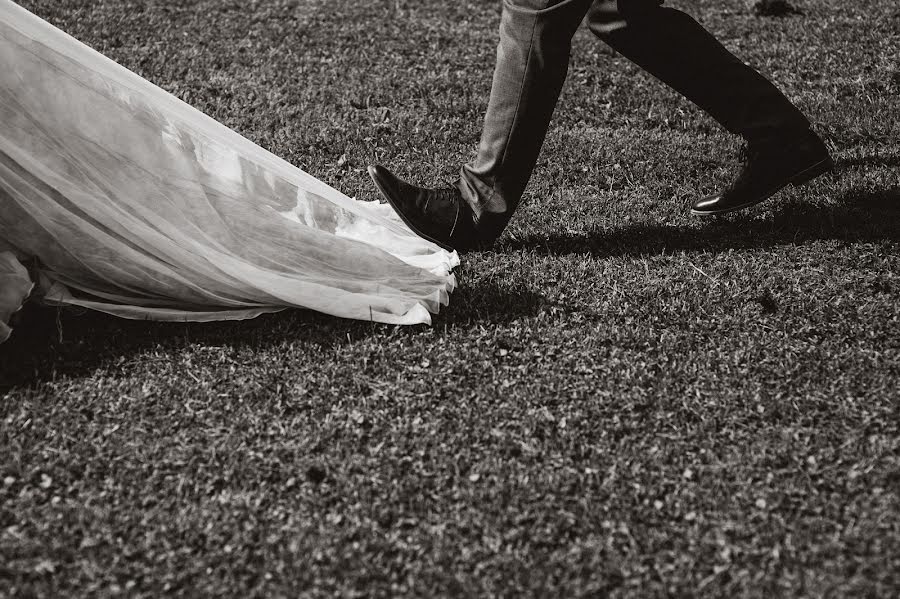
column 121, row 198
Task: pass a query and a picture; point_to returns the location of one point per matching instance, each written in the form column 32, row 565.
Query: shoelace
column 745, row 156
column 450, row 194
column 746, row 153
column 439, row 196
column 438, row 199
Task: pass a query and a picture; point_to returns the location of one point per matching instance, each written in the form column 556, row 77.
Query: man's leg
column 532, row 63
column 673, row 47
column 676, row 49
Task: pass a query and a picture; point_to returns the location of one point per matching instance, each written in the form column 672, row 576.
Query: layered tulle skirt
column 124, row 199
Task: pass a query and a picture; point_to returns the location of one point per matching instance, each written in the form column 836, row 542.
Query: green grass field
column 621, row 399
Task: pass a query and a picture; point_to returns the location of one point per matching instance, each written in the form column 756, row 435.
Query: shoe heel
column 816, row 170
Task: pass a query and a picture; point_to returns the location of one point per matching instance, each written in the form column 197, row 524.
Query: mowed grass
column 621, row 399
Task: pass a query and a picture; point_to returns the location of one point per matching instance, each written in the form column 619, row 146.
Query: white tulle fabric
column 129, row 201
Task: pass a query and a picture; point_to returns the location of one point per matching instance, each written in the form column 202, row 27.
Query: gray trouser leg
column 532, row 62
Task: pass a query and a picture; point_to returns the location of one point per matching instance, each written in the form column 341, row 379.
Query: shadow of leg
column 858, row 215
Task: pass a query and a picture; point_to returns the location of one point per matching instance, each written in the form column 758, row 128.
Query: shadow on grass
column 879, row 160
column 860, row 216
column 49, row 342
column 489, row 303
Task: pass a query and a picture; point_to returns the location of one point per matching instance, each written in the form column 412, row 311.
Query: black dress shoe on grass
column 438, row 215
column 768, row 168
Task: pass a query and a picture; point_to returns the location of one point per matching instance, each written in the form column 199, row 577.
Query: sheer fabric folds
column 129, row 201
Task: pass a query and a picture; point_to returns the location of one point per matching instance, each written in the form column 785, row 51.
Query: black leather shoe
column 438, row 215
column 768, row 168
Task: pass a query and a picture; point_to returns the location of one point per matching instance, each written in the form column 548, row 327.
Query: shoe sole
column 386, row 195
column 804, row 176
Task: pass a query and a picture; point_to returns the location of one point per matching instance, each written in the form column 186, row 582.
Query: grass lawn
column 620, row 399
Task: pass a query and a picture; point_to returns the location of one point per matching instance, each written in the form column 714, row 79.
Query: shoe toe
column 401, row 195
column 379, row 172
column 384, row 178
column 707, row 204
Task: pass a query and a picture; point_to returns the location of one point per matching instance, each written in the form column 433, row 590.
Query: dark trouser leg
column 532, row 62
column 674, row 48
